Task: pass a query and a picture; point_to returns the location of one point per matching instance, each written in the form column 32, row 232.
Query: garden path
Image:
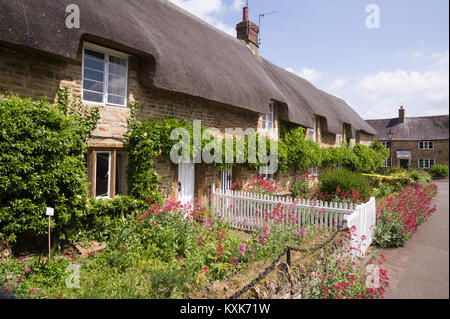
column 420, row 269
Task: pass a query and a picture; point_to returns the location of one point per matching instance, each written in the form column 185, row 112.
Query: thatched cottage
column 175, row 65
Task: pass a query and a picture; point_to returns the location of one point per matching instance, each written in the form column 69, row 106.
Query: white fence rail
column 252, row 211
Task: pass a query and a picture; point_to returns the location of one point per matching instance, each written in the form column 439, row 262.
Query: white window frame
column 426, row 163
column 314, row 171
column 107, row 52
column 426, row 145
column 387, row 145
column 339, row 139
column 313, row 131
column 109, row 174
column 269, row 118
column 387, row 162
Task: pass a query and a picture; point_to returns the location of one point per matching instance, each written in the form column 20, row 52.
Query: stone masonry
column 38, row 76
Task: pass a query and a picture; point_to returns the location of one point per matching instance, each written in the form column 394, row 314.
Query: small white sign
column 50, row 211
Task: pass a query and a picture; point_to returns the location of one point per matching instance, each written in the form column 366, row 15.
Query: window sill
column 104, row 104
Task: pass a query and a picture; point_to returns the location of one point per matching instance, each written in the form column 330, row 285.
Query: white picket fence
column 363, row 220
column 249, row 211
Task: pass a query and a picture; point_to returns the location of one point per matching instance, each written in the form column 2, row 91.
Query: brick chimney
column 248, row 31
column 401, row 114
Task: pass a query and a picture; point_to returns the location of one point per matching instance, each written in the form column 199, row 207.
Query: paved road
column 419, row 270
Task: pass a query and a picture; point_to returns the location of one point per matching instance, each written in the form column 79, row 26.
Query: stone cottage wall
column 30, row 74
column 440, row 153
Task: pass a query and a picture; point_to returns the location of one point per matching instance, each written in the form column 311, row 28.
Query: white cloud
column 423, row 90
column 338, row 84
column 238, row 4
column 418, row 54
column 211, row 11
column 432, row 84
column 308, row 74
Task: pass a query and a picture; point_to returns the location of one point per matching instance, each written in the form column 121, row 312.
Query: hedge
column 42, row 164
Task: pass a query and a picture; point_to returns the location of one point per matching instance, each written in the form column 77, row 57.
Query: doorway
column 404, row 163
column 186, row 182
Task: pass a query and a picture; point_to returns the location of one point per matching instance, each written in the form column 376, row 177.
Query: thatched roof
column 178, row 52
column 414, row 128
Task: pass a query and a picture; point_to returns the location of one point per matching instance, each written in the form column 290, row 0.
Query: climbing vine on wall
column 150, row 139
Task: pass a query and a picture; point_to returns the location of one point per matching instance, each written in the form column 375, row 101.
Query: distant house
column 174, row 65
column 417, row 142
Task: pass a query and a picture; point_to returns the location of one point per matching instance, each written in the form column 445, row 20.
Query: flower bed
column 399, row 214
column 261, row 185
column 344, row 279
column 162, row 252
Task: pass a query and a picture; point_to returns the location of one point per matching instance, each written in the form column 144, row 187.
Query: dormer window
column 269, row 118
column 105, row 76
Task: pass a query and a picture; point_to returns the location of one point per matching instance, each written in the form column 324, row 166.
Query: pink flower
column 27, row 270
column 242, row 248
column 302, row 233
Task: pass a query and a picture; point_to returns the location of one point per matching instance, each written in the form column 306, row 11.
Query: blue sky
column 403, row 62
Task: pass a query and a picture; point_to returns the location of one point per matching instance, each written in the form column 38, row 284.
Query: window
column 387, row 145
column 107, row 172
column 314, row 171
column 387, row 162
column 268, row 119
column 227, row 179
column 312, row 132
column 339, row 139
column 102, row 174
column 426, row 145
column 105, row 75
column 426, row 163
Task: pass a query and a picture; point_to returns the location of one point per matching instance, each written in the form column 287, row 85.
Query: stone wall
column 440, row 153
column 30, row 74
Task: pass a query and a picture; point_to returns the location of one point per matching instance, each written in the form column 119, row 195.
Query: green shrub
column 346, row 181
column 42, row 164
column 296, row 152
column 439, row 170
column 419, row 176
column 105, row 216
column 339, row 157
column 369, row 159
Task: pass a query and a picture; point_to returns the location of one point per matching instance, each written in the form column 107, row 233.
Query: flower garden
column 156, row 249
column 175, row 251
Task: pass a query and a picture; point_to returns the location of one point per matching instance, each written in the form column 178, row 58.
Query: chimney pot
column 245, row 14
